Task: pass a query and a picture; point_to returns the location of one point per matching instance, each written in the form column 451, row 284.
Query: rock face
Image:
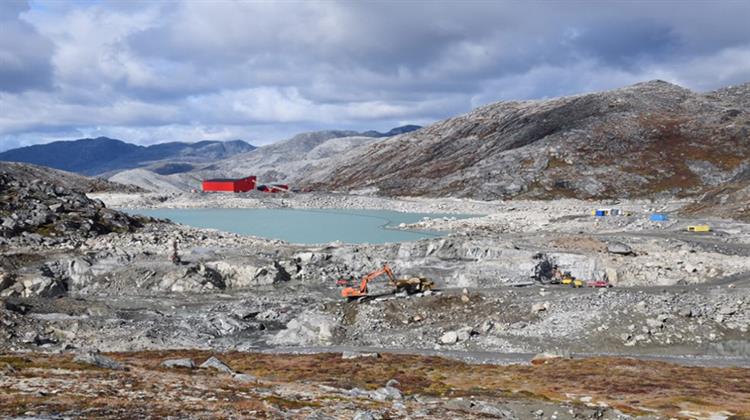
column 643, row 140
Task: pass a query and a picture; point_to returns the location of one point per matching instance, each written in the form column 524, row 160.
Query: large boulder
column 275, row 273
column 98, row 360
column 389, row 392
column 179, row 363
column 450, row 337
column 216, row 364
column 307, row 329
column 192, row 278
column 619, row 248
column 33, row 285
column 240, row 274
column 544, row 358
column 79, row 273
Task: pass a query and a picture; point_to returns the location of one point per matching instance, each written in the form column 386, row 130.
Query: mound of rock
column 35, row 212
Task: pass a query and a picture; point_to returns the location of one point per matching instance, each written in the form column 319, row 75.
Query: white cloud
column 146, row 71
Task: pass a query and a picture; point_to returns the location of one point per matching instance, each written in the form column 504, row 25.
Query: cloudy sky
column 261, row 71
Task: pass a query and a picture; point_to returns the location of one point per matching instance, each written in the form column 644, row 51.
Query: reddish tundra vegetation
column 298, row 385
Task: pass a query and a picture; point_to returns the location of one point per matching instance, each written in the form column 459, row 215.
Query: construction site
column 519, row 282
column 551, row 281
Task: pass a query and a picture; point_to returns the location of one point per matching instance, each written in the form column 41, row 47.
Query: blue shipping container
column 659, row 217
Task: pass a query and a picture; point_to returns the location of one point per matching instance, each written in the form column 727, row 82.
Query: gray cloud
column 24, row 53
column 150, row 71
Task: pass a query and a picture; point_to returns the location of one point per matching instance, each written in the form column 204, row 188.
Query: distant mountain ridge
column 103, row 155
column 291, row 160
column 392, row 132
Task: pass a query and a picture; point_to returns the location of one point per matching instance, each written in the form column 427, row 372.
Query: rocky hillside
column 291, row 161
column 295, row 159
column 36, row 211
column 652, row 138
column 149, row 180
column 728, row 200
column 104, row 155
column 64, row 179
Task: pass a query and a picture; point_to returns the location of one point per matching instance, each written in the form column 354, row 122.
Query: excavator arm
column 351, row 292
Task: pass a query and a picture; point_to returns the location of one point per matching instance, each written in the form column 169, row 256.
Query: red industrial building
column 229, row 185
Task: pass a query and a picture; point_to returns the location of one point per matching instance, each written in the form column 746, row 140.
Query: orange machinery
column 410, row 285
column 351, row 292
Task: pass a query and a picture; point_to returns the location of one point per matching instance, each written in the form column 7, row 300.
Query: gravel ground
column 675, row 294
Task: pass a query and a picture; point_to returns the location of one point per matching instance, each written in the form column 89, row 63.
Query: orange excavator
column 410, row 285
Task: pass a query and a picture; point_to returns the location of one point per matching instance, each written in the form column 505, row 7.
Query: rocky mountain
column 104, row 155
column 652, row 138
column 290, row 161
column 150, row 181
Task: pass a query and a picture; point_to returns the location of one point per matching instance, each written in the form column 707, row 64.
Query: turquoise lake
column 316, row 226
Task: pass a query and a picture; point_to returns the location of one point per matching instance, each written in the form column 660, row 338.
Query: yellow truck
column 699, row 228
column 571, row 281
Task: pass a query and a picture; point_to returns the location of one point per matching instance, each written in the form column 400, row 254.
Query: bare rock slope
column 26, row 172
column 289, row 161
column 36, row 209
column 729, row 200
column 151, row 181
column 652, row 138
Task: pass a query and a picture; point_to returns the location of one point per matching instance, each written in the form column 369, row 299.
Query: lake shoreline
column 308, row 226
